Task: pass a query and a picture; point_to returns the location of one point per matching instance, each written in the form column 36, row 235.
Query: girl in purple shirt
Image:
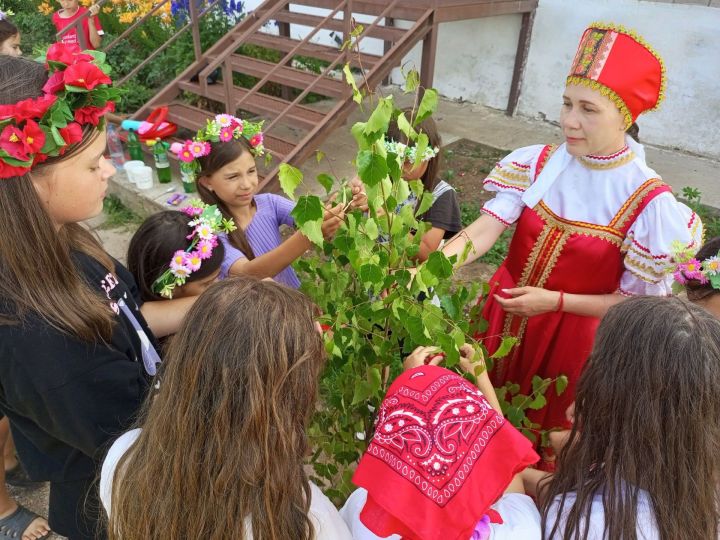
column 223, row 156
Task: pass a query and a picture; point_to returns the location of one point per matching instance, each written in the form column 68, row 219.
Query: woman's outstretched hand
column 529, row 301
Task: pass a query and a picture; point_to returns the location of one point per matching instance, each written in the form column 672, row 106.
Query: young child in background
column 224, row 154
column 699, row 275
column 444, row 214
column 71, row 11
column 158, row 242
column 9, row 37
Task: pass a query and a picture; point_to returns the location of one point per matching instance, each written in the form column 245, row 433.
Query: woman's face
column 73, row 190
column 11, row 46
column 591, row 123
column 235, row 183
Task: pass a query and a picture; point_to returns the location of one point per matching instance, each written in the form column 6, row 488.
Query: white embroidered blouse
column 593, row 189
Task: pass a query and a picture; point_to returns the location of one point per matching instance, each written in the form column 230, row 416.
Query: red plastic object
column 160, row 128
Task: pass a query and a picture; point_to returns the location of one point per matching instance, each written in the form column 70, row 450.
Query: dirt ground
column 465, row 164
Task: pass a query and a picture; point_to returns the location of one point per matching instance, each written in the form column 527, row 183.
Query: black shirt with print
column 67, row 399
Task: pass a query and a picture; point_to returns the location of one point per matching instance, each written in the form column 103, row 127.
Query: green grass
column 118, row 215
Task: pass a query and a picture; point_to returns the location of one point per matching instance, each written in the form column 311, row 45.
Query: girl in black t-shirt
column 444, row 214
column 77, row 351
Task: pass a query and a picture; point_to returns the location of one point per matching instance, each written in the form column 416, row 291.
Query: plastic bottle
column 115, row 147
column 162, row 164
column 134, row 147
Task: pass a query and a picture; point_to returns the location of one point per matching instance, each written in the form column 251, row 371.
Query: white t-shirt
column 646, row 526
column 324, row 516
column 521, row 519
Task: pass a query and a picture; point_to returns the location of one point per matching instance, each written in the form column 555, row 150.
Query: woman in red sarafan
column 595, row 224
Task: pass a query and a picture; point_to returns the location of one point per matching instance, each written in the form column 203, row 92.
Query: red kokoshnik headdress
column 440, row 456
column 622, row 66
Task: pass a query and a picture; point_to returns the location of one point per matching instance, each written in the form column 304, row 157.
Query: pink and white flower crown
column 78, row 92
column 687, row 267
column 203, row 239
column 223, row 128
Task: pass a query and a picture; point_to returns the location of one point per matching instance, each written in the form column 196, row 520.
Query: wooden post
column 429, row 52
column 195, row 21
column 387, row 45
column 520, row 60
column 284, row 31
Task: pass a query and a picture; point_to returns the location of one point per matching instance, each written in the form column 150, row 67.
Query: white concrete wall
column 475, row 62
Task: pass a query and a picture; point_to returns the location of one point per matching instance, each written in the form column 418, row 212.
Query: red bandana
column 440, row 456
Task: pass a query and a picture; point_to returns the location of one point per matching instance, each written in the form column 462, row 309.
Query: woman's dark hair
column 647, row 417
column 7, row 30
column 634, row 131
column 153, row 245
column 697, row 291
column 429, row 128
column 221, row 154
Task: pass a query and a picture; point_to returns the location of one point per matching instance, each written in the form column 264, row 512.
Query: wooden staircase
column 294, row 129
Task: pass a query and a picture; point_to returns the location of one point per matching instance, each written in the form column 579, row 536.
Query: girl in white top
column 641, row 459
column 223, row 441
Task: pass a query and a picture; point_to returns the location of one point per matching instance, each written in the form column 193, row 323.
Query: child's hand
column 359, row 199
column 469, row 362
column 94, row 10
column 422, row 356
column 334, row 217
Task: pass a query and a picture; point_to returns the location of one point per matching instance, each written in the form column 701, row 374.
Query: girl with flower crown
column 698, row 274
column 594, row 223
column 444, row 214
column 223, row 156
column 9, row 37
column 77, row 345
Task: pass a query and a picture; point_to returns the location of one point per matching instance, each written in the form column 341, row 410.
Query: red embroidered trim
column 647, row 250
column 623, row 292
column 692, row 219
column 500, row 184
column 611, row 156
column 493, row 214
column 520, row 165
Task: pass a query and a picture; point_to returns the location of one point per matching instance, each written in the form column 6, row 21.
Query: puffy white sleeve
column 648, row 245
column 509, row 180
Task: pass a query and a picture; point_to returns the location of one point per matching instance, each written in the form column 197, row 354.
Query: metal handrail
column 329, row 68
column 290, row 54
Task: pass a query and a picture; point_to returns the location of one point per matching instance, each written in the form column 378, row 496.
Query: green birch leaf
column 561, row 384
column 404, row 126
column 290, row 179
column 505, row 347
column 372, row 167
column 425, row 203
column 380, row 118
column 412, row 81
column 350, row 79
column 420, row 147
column 326, row 181
column 370, row 273
column 428, row 105
column 439, row 265
column 371, row 229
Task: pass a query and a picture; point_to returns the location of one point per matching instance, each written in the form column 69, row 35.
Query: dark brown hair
column 697, row 291
column 153, row 245
column 221, row 154
column 7, row 30
column 634, row 131
column 427, row 126
column 224, row 440
column 647, row 417
column 37, row 271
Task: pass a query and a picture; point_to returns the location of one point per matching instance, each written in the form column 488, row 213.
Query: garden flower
column 180, row 271
column 176, row 148
column 712, row 266
column 85, row 75
column 33, row 137
column 256, row 140
column 55, row 83
column 92, row 115
column 179, row 258
column 186, row 155
column 11, row 141
column 193, row 261
column 204, row 249
column 66, row 53
column 199, row 149
column 226, row 134
column 204, row 231
column 224, row 120
column 192, row 211
column 27, row 108
column 691, row 269
column 679, row 277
